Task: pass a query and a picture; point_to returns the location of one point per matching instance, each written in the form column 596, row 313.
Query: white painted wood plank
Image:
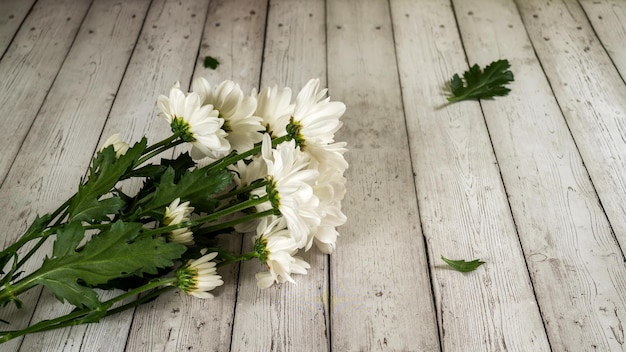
column 462, row 202
column 165, row 53
column 608, row 18
column 380, row 289
column 233, row 33
column 12, row 13
column 287, row 317
column 58, row 149
column 575, row 263
column 591, row 95
column 30, row 65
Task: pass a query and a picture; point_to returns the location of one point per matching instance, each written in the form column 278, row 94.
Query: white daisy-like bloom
column 199, row 276
column 313, row 125
column 183, row 236
column 275, row 108
column 328, row 157
column 290, row 188
column 119, row 146
column 200, row 125
column 315, row 116
column 246, row 172
column 276, row 249
column 330, row 189
column 242, row 127
column 175, row 214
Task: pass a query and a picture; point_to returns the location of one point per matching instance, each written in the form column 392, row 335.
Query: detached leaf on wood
column 211, row 62
column 462, row 265
column 479, row 84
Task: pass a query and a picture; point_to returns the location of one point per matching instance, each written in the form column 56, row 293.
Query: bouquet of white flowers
column 273, row 167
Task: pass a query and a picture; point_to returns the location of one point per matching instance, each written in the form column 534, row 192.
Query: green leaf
column 195, row 186
column 105, row 171
column 34, row 231
column 462, row 265
column 97, row 210
column 68, row 239
column 114, row 253
column 479, row 84
column 211, row 62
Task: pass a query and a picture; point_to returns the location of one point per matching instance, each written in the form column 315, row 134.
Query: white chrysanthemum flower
column 290, row 188
column 119, row 146
column 276, row 249
column 316, row 117
column 200, row 125
column 328, row 157
column 175, row 214
column 246, row 172
column 330, row 189
column 275, row 108
column 314, row 123
column 242, row 127
column 183, row 236
column 199, row 276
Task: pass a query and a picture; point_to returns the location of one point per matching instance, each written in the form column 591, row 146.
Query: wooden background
column 533, row 183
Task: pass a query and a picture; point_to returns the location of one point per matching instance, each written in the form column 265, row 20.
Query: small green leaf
column 462, row 265
column 479, row 84
column 210, row 62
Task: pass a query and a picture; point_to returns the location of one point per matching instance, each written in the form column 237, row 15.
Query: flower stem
column 239, row 258
column 209, row 218
column 231, row 159
column 83, row 316
column 162, row 143
column 158, row 151
column 231, row 223
column 237, row 191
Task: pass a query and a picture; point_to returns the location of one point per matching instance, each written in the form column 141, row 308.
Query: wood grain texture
column 591, row 94
column 287, row 317
column 608, row 19
column 462, row 202
column 165, row 53
column 31, row 64
column 59, row 146
column 560, row 222
column 554, row 148
column 12, row 14
column 380, row 294
column 235, row 35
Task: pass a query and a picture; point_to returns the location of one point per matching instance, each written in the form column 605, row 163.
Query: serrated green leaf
column 481, row 84
column 98, row 210
column 68, row 239
column 456, row 84
column 34, row 231
column 105, row 171
column 181, row 164
column 195, row 186
column 65, row 289
column 111, row 254
column 462, row 265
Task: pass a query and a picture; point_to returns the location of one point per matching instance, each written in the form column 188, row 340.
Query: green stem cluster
column 11, row 285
